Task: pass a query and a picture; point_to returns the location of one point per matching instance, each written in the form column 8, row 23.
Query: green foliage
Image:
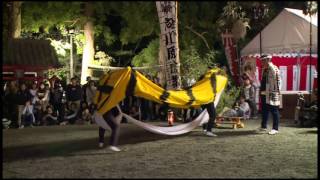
column 63, row 51
column 79, row 40
column 60, row 47
column 103, row 59
column 140, row 20
column 199, row 25
column 108, row 36
column 228, row 98
column 232, row 12
column 148, row 56
column 193, row 65
column 61, row 73
column 48, row 14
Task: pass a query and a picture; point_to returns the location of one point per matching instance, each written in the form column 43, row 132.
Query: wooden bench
column 235, row 121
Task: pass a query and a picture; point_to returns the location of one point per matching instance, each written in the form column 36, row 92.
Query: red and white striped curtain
column 295, row 72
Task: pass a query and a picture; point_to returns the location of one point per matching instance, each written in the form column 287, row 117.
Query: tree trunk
column 14, row 29
column 88, row 50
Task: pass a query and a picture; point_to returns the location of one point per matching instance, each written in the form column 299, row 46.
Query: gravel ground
column 71, row 152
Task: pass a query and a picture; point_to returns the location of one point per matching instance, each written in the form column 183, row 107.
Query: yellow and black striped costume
column 114, row 86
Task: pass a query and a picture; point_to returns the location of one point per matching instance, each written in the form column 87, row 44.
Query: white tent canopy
column 289, row 32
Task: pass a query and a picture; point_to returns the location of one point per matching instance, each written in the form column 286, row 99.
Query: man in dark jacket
column 57, row 101
column 23, row 99
column 74, row 93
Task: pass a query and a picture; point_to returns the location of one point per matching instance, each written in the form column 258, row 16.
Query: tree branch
column 134, row 51
column 73, row 21
column 200, row 35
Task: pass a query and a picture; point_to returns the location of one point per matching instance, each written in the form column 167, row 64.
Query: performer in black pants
column 109, row 117
column 207, row 128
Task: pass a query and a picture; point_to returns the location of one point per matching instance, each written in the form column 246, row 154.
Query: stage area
column 72, row 152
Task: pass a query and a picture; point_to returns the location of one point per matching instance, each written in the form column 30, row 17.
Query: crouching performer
column 110, row 119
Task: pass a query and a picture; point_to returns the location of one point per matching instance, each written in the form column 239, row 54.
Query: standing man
column 57, row 101
column 270, row 94
column 84, row 89
column 74, row 93
column 23, row 99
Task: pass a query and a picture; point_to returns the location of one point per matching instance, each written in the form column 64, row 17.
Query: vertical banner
column 296, row 78
column 314, row 76
column 231, row 54
column 167, row 12
column 283, row 76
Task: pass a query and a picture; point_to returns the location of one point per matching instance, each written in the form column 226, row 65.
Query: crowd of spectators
column 39, row 104
column 45, row 104
column 28, row 104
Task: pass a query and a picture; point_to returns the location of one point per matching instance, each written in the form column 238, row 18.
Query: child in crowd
column 84, row 114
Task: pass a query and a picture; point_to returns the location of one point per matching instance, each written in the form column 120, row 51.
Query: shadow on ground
column 310, row 132
column 230, row 133
column 69, row 147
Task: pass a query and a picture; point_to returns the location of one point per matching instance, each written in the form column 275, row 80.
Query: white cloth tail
column 173, row 130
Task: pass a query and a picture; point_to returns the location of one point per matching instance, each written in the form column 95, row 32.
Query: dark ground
column 71, row 152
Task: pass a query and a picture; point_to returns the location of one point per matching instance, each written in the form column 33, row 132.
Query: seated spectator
column 42, row 96
column 28, row 118
column 134, row 112
column 38, row 114
column 50, row 118
column 71, row 115
column 84, row 114
column 241, row 109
